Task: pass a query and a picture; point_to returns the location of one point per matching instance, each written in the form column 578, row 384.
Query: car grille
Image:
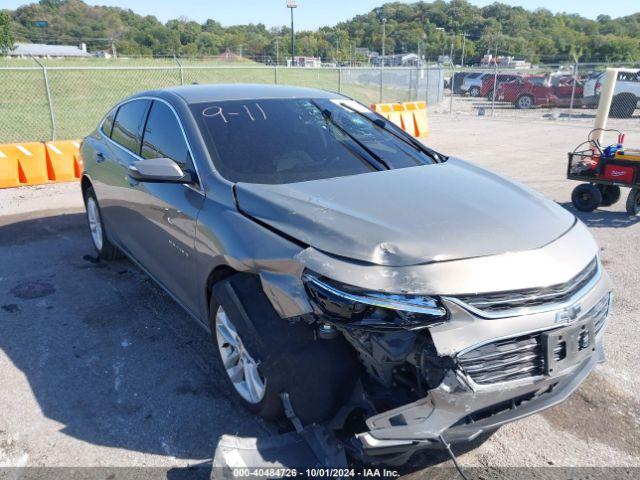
column 509, row 303
column 523, row 356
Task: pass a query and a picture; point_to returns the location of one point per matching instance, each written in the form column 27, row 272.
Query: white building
column 24, row 50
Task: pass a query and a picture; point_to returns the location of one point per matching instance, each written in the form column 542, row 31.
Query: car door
column 123, row 135
column 163, row 216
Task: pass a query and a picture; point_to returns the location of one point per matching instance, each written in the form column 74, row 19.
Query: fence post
column 453, row 71
column 46, row 86
column 381, row 83
column 495, row 86
column 275, row 74
column 426, row 98
column 339, row 79
column 573, row 88
column 181, row 70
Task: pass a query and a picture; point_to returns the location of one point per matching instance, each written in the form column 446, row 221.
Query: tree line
column 431, row 28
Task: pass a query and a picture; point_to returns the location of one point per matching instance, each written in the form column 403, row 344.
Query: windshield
column 277, row 141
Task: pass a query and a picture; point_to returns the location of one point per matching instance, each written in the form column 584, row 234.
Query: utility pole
column 451, row 51
column 114, row 52
column 384, row 39
column 464, row 41
column 240, row 50
column 277, row 51
column 291, row 4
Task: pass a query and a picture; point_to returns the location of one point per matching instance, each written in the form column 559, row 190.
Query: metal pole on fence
column 46, row 86
column 495, row 86
column 380, row 83
column 573, row 87
column 181, row 70
column 426, row 98
column 275, row 74
column 339, row 79
column 451, row 87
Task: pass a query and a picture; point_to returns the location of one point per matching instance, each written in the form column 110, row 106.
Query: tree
column 6, row 37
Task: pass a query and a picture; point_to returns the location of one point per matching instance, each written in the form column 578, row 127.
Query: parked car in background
column 540, row 91
column 626, row 92
column 472, row 83
column 489, row 80
column 456, row 82
column 258, row 209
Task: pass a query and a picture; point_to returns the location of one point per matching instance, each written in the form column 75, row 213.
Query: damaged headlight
column 373, row 309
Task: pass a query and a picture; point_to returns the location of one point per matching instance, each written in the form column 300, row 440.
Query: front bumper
column 450, row 409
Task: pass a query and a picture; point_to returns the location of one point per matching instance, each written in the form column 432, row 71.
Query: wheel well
column 217, row 274
column 85, row 183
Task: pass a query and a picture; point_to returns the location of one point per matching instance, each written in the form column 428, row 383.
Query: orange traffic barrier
column 410, row 116
column 420, row 121
column 63, row 161
column 35, row 163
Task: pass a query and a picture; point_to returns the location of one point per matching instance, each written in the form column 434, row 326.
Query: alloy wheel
column 95, row 224
column 240, row 366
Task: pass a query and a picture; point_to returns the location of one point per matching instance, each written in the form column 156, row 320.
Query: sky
column 312, row 14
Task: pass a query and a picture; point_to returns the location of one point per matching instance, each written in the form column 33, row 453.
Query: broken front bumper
column 460, row 414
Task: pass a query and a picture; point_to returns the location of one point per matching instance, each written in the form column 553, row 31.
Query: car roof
column 192, row 94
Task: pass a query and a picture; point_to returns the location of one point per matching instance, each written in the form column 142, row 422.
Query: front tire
column 633, row 202
column 474, row 91
column 318, row 374
column 586, row 197
column 106, row 250
column 524, row 102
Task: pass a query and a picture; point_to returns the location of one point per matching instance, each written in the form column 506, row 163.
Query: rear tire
column 623, row 105
column 610, row 194
column 524, row 102
column 99, row 237
column 586, row 197
column 474, row 91
column 318, row 374
column 633, row 202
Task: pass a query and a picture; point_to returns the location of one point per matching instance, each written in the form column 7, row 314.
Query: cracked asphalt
column 99, row 367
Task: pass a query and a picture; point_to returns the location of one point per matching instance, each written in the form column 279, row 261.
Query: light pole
column 444, row 43
column 291, row 4
column 384, row 38
column 464, row 41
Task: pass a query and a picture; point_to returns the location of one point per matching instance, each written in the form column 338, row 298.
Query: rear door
column 163, row 216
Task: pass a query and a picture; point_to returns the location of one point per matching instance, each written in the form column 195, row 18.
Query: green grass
column 80, row 97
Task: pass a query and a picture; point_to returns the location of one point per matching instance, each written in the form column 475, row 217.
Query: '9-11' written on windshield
column 253, row 111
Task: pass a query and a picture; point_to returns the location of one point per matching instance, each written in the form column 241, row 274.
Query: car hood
column 409, row 216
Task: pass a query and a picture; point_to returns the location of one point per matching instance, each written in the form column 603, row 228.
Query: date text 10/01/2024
column 314, row 473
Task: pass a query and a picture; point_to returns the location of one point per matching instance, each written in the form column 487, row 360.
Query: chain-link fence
column 48, row 98
column 45, row 100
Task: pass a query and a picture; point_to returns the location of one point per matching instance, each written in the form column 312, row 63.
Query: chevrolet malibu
column 349, row 275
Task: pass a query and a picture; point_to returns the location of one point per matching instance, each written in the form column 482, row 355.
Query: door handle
column 100, row 157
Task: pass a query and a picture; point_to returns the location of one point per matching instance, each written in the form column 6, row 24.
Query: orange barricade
column 63, row 161
column 22, row 164
column 34, row 163
column 410, row 116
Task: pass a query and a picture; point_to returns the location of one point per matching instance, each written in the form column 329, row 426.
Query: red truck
column 540, row 91
column 488, row 81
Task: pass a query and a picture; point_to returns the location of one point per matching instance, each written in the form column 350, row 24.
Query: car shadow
column 603, row 218
column 107, row 354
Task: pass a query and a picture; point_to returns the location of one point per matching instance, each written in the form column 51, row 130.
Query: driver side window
column 163, row 137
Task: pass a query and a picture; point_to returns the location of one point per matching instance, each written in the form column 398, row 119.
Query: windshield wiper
column 327, row 115
column 408, row 139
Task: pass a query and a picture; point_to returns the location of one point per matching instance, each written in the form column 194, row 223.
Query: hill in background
column 539, row 36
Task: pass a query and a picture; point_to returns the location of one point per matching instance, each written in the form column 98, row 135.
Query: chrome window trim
column 138, row 157
column 517, row 312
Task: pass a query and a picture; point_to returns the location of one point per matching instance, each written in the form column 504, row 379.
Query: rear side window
column 163, row 137
column 127, row 128
column 107, row 125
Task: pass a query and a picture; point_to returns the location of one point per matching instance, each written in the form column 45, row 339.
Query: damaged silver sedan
column 351, row 277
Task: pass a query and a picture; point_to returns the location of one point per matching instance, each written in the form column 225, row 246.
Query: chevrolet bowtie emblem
column 569, row 314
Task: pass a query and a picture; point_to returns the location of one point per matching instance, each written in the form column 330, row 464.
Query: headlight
column 373, row 309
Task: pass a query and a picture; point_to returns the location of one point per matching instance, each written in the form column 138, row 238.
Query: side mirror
column 160, row 170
